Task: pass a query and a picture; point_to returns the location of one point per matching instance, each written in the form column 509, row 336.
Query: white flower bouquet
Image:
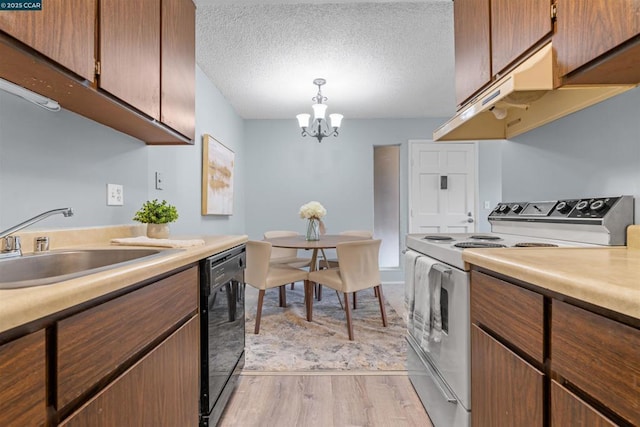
column 313, row 212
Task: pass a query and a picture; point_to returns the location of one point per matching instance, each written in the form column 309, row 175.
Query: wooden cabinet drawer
column 569, row 410
column 514, row 313
column 23, row 381
column 94, row 343
column 598, row 355
column 160, row 390
column 505, row 389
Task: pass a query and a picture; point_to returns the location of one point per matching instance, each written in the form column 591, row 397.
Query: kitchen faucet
column 11, row 244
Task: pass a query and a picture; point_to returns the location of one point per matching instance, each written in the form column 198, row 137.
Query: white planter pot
column 158, row 231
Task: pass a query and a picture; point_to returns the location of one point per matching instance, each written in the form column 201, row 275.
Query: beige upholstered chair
column 288, row 256
column 359, row 269
column 262, row 274
column 333, row 263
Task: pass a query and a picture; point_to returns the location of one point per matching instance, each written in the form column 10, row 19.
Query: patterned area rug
column 287, row 342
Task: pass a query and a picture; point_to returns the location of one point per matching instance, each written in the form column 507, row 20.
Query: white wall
column 594, row 152
column 51, row 160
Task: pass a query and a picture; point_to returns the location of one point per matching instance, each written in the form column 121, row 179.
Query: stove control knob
column 563, row 207
column 582, row 205
column 516, row 208
column 598, row 205
column 503, row 209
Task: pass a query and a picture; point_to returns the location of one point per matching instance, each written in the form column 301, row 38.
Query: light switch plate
column 487, row 204
column 115, row 195
column 159, row 181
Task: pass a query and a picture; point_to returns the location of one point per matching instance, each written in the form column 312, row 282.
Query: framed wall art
column 217, row 177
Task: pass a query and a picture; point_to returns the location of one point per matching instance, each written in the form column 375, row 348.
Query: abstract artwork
column 217, row 177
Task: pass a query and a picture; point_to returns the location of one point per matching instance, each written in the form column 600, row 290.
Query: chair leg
column 348, row 312
column 319, row 292
column 293, row 283
column 283, row 296
column 382, row 310
column 259, row 312
column 375, row 291
column 308, row 298
column 354, row 300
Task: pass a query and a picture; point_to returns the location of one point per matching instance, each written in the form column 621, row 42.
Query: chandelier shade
column 319, row 128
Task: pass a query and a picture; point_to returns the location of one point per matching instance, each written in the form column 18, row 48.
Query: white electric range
column 439, row 368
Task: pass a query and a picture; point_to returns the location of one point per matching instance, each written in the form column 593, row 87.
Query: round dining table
column 327, row 241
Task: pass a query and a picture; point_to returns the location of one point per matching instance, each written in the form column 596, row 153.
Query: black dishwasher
column 221, row 330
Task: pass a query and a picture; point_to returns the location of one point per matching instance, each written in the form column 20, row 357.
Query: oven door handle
column 435, row 375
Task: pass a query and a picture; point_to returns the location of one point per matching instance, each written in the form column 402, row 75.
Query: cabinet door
column 94, row 343
column 516, row 26
column 505, row 390
column 130, row 52
column 569, row 410
column 64, row 31
column 23, row 381
column 178, row 100
column 160, row 390
column 588, row 28
column 599, row 356
column 472, row 46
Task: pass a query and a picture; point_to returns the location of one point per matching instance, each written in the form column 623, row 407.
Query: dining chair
column 333, row 263
column 262, row 274
column 288, row 256
column 359, row 269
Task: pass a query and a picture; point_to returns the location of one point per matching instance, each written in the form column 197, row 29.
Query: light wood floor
column 324, row 401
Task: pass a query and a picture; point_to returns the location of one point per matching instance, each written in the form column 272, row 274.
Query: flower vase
column 313, row 229
column 158, row 231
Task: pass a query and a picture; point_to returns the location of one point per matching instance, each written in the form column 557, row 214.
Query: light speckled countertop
column 21, row 306
column 604, row 276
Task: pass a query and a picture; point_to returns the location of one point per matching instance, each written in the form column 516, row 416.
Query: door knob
column 470, row 219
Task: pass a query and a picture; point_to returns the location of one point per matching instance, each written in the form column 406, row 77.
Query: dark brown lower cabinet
column 505, row 390
column 589, row 373
column 569, row 410
column 23, row 381
column 160, row 390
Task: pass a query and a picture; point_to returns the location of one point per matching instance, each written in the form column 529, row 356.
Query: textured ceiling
column 390, row 59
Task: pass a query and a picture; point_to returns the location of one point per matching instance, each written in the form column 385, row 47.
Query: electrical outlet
column 487, row 204
column 115, row 195
column 159, row 181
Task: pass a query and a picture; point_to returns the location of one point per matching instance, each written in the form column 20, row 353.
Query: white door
column 442, row 186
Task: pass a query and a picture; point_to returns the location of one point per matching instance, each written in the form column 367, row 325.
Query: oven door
column 450, row 358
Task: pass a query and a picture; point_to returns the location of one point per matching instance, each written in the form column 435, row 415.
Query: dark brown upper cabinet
column 178, row 94
column 64, row 31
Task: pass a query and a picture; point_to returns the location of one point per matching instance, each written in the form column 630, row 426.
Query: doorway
column 386, row 203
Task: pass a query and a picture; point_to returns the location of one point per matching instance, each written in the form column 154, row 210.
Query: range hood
column 522, row 100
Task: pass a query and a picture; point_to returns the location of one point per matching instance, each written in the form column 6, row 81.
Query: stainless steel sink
column 56, row 266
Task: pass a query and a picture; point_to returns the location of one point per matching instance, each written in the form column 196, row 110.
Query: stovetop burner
column 535, row 245
column 438, row 238
column 485, row 237
column 475, row 245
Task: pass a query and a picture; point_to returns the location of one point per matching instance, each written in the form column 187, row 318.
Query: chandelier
column 319, row 127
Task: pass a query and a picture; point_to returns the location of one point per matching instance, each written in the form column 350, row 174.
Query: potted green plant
column 157, row 215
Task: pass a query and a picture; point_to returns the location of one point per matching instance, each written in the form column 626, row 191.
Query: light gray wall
column 182, row 166
column 50, row 160
column 489, row 180
column 53, row 160
column 594, row 152
column 285, row 170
